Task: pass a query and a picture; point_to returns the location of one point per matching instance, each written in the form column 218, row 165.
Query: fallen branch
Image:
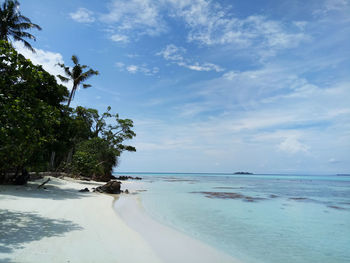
column 48, row 179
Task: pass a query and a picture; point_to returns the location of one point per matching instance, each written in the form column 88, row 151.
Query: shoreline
column 169, row 244
column 61, row 224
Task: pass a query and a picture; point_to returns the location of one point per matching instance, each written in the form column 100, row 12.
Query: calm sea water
column 257, row 218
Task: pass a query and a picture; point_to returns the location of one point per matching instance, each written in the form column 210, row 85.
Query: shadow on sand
column 50, row 192
column 18, row 228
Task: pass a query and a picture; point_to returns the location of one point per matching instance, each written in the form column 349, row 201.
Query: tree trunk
column 70, row 155
column 52, row 160
column 71, row 95
column 48, row 180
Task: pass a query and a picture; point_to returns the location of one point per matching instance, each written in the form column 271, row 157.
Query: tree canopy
column 30, row 110
column 34, row 122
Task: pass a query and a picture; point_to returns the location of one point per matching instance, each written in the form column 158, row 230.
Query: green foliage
column 14, row 25
column 94, row 157
column 30, row 110
column 99, row 154
column 36, row 128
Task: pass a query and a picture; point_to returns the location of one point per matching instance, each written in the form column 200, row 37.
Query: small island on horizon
column 242, row 173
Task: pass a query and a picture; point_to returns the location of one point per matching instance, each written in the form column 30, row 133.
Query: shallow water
column 257, row 218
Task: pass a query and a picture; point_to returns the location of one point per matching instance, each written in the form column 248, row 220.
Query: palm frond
column 87, row 75
column 22, row 34
column 66, row 69
column 13, row 23
column 26, row 43
column 62, row 78
column 85, row 86
column 75, row 59
column 28, row 26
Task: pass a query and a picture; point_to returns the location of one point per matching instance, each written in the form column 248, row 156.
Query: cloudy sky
column 212, row 86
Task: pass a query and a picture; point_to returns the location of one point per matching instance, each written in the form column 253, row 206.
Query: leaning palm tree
column 76, row 75
column 13, row 24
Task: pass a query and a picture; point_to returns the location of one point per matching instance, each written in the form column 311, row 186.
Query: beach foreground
column 61, row 224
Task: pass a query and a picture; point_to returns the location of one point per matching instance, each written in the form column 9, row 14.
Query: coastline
column 61, row 224
column 170, row 245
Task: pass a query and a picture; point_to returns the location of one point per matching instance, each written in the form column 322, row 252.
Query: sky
column 212, row 86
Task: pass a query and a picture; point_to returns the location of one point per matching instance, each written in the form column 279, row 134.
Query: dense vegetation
column 38, row 132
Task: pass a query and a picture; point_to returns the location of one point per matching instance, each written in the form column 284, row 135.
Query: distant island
column 242, row 173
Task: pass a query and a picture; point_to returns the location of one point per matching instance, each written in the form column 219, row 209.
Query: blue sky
column 212, row 86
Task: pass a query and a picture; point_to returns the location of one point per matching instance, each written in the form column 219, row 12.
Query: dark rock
column 103, row 178
column 180, row 180
column 84, row 190
column 112, row 187
column 35, row 176
column 124, row 178
column 84, row 178
column 22, row 178
column 336, row 207
column 298, row 198
column 225, row 187
column 229, row 195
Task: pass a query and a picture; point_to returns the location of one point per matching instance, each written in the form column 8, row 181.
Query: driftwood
column 48, row 179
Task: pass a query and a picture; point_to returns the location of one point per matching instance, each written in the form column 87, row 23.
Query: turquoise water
column 257, row 218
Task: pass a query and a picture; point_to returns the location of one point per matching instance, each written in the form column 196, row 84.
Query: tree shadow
column 18, row 228
column 49, row 192
column 6, row 260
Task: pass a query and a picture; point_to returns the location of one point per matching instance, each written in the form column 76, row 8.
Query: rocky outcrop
column 124, row 178
column 112, row 187
column 103, row 178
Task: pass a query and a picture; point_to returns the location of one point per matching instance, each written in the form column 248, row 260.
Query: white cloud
column 336, row 5
column 47, row 59
column 230, row 75
column 120, row 64
column 207, row 23
column 172, row 52
column 292, row 145
column 177, row 56
column 211, row 24
column 333, row 161
column 83, row 15
column 140, row 16
column 201, row 67
column 300, row 24
column 298, row 132
column 132, row 55
column 133, row 69
column 120, row 38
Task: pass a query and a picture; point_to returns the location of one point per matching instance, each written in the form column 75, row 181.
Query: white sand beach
column 61, row 224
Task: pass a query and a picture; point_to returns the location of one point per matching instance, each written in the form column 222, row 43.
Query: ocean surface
column 256, row 218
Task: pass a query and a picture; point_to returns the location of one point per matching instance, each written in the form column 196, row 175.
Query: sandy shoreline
column 60, row 224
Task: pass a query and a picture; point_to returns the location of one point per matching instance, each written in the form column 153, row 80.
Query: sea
column 256, row 218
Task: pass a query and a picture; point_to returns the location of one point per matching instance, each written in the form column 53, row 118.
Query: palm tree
column 77, row 75
column 13, row 24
